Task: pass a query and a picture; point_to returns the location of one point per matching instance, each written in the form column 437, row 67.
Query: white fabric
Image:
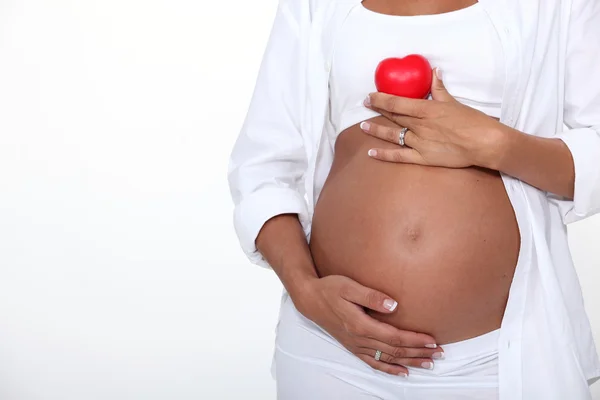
column 310, row 364
column 551, row 49
column 473, row 72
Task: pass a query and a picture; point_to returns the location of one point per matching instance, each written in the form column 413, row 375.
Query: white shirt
column 474, row 72
column 552, row 52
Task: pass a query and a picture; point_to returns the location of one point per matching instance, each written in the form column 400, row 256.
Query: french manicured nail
column 427, row 365
column 438, row 73
column 431, row 346
column 388, row 303
column 438, row 355
column 373, row 153
column 365, row 125
column 402, row 374
column 367, row 101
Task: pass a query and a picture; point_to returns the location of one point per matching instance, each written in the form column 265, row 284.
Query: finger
column 398, row 105
column 438, row 89
column 426, row 363
column 374, row 329
column 366, row 297
column 402, row 155
column 382, row 366
column 388, row 133
column 401, row 352
column 411, row 123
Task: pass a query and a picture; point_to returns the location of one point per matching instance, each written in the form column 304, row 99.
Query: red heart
column 410, row 76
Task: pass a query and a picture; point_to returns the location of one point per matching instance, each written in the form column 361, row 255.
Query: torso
column 442, row 242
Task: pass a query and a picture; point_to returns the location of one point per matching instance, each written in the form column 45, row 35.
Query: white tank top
column 463, row 43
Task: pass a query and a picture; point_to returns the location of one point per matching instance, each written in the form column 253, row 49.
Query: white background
column 120, row 274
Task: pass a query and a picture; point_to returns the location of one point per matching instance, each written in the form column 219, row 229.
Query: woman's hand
column 336, row 304
column 442, row 132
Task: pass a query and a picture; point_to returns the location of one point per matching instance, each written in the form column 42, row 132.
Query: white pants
column 309, row 364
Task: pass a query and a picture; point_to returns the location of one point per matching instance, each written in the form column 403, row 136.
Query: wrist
column 302, row 288
column 497, row 145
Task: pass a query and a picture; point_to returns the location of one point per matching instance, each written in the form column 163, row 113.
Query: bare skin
column 443, row 242
column 416, row 7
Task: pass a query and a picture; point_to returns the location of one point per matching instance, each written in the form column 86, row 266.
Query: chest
column 529, row 33
column 463, row 43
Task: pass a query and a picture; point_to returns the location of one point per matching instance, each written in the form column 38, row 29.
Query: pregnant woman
column 422, row 242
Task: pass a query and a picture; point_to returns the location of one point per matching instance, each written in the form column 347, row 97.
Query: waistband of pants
column 484, row 344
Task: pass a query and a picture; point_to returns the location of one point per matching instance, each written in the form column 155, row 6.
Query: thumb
column 438, row 90
column 367, row 297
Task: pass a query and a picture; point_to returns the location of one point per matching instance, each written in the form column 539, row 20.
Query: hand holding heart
column 442, row 132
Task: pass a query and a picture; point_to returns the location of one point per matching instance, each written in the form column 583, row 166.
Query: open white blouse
column 281, row 159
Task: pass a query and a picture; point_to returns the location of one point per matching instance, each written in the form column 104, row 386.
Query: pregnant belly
column 442, row 242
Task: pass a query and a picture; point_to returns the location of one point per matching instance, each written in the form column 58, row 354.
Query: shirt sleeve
column 268, row 161
column 582, row 111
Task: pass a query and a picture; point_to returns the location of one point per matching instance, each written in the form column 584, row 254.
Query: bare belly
column 442, row 242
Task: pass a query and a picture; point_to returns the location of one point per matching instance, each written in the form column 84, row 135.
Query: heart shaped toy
column 410, row 76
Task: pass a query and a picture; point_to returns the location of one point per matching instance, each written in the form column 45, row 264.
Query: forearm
column 544, row 163
column 283, row 244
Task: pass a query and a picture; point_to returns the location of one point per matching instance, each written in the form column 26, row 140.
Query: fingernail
column 373, row 153
column 427, row 365
column 402, row 374
column 387, row 303
column 431, row 346
column 438, row 73
column 367, row 101
column 437, row 355
column 365, row 125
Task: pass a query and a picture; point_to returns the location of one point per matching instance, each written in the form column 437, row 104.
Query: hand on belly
column 338, row 305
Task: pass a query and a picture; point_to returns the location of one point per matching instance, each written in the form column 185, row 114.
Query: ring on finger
column 402, row 136
column 377, row 355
